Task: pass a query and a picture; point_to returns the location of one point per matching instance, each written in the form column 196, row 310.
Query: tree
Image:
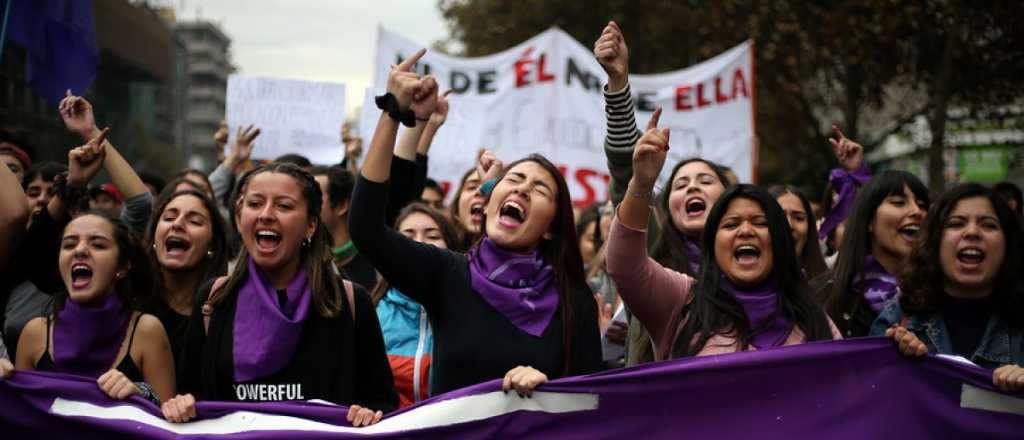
column 869, row 65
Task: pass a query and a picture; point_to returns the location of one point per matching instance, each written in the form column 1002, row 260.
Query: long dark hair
column 921, row 281
column 183, row 174
column 857, row 239
column 212, row 266
column 810, row 256
column 465, row 238
column 448, row 234
column 562, row 251
column 316, row 258
column 669, row 248
column 135, row 290
column 715, row 311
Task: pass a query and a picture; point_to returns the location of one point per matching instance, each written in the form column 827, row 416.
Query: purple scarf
column 265, row 335
column 87, row 338
column 845, row 184
column 876, row 284
column 520, row 286
column 761, row 305
column 692, row 251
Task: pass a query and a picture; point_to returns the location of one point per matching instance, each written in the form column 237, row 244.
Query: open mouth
column 81, row 276
column 970, row 256
column 511, row 214
column 176, row 245
column 476, row 212
column 267, row 240
column 746, row 254
column 695, row 207
column 909, row 232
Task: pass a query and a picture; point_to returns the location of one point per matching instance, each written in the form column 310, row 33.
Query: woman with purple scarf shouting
column 963, row 291
column 517, row 305
column 751, row 293
column 880, row 232
column 96, row 329
column 282, row 325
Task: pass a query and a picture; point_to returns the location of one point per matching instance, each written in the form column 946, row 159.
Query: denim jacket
column 1000, row 345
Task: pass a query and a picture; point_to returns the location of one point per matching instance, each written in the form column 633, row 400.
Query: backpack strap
column 218, row 284
column 351, row 294
column 207, row 307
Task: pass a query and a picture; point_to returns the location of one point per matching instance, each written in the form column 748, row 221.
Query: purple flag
column 59, row 38
column 852, row 389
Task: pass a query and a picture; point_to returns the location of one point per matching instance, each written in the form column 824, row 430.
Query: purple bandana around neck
column 761, row 304
column 87, row 338
column 692, row 250
column 265, row 335
column 845, row 184
column 521, row 287
column 876, row 284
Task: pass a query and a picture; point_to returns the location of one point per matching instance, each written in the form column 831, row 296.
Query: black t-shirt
column 336, row 359
column 175, row 324
column 966, row 320
column 473, row 342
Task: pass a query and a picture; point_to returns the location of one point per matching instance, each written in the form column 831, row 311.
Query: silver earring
column 209, row 254
column 307, row 241
column 154, row 246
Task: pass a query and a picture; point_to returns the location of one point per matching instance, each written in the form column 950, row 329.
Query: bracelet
column 487, row 187
column 146, row 391
column 389, row 104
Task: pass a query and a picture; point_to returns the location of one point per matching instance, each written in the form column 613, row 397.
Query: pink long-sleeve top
column 656, row 294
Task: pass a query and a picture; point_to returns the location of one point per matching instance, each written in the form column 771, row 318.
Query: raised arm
column 78, row 117
column 652, row 292
column 15, row 214
column 622, row 134
column 411, row 267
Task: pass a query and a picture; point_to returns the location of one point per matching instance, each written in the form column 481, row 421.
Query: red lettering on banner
column 590, row 196
column 543, row 76
column 719, row 97
column 562, row 169
column 525, row 74
column 445, row 186
column 701, row 102
column 683, row 98
column 738, row 83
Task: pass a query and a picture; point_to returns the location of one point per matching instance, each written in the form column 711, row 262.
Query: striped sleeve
column 622, row 130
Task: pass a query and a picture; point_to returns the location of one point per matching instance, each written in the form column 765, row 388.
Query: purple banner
column 851, row 389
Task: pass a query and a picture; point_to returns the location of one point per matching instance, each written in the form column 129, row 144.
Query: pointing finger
column 406, row 64
column 653, row 122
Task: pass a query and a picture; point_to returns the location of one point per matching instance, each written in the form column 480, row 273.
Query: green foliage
column 817, row 62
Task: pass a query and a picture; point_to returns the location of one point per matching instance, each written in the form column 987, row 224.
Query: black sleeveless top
column 126, row 366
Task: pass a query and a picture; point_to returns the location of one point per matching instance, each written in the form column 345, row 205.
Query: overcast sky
column 321, row 40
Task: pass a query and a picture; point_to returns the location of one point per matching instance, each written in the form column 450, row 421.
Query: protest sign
column 545, row 96
column 293, row 116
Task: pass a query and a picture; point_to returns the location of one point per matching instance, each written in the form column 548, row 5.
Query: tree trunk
column 851, row 108
column 937, row 119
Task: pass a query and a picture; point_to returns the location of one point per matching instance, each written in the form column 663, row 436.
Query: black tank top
column 126, row 366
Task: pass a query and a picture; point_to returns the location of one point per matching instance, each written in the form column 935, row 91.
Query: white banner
column 294, row 116
column 545, row 96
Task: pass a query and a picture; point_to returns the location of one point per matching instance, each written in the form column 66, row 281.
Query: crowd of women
column 284, row 281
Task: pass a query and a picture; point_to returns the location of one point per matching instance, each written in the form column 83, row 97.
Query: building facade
column 207, row 66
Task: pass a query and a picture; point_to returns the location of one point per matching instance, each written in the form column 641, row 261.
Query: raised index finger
column 838, row 132
column 406, row 64
column 653, row 122
column 102, row 136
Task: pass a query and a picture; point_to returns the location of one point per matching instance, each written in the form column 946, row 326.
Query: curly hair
column 922, row 279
